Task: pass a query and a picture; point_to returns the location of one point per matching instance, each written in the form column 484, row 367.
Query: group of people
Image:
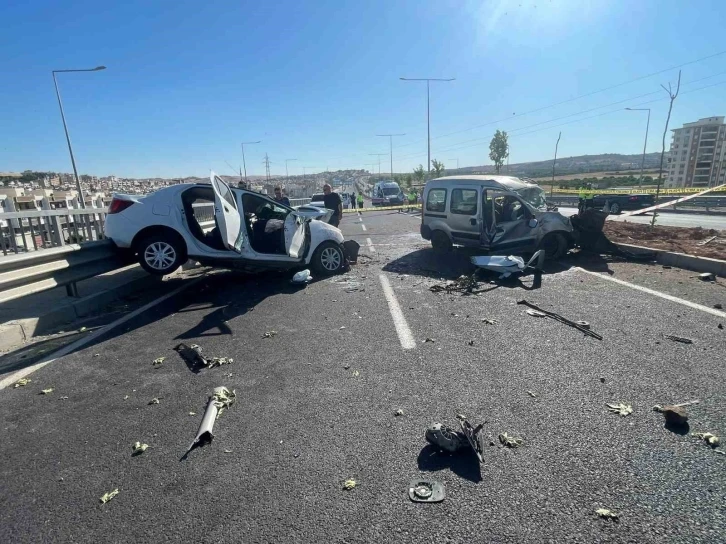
column 356, row 200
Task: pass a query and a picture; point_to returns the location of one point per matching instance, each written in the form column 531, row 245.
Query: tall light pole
column 428, row 80
column 243, row 156
column 379, row 155
column 65, row 127
column 457, row 164
column 647, row 126
column 286, row 174
column 390, row 144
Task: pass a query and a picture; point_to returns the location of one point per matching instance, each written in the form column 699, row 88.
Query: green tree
column 438, row 167
column 499, row 149
column 409, row 180
column 419, row 173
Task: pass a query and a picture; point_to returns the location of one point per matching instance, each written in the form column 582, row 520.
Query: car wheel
column 554, row 245
column 160, row 254
column 441, row 242
column 614, row 208
column 328, row 259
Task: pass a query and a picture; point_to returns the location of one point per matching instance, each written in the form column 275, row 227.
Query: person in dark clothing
column 333, row 202
column 280, row 198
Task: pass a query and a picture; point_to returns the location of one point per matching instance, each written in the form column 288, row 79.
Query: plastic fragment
column 219, row 361
column 108, row 496
column 138, row 448
column 489, row 321
column 679, row 339
column 22, row 382
column 154, row 401
column 531, row 393
column 47, row 391
column 302, row 277
column 192, row 413
column 126, row 397
column 269, row 334
column 607, row 514
column 429, row 340
column 510, row 441
column 356, row 373
column 398, row 412
column 620, row 408
column 349, row 484
column 158, row 361
column 710, row 438
column 536, row 313
column 63, row 398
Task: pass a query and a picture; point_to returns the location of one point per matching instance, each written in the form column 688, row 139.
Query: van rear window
column 436, row 201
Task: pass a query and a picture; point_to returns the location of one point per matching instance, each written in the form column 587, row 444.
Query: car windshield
column 534, row 196
column 391, row 191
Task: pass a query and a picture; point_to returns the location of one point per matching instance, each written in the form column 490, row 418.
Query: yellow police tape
column 676, row 191
column 384, row 208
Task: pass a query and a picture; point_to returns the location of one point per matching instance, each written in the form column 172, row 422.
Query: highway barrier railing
column 649, row 191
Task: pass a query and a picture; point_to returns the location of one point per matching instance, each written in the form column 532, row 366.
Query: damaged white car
column 221, row 226
column 494, row 213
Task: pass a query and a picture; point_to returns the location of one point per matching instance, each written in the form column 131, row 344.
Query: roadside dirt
column 678, row 239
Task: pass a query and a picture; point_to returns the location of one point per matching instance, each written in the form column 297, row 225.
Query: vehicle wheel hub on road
column 330, row 259
column 160, row 255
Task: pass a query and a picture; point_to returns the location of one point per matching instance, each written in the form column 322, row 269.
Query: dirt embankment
column 678, row 239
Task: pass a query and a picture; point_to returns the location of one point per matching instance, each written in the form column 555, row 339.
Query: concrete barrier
column 681, row 260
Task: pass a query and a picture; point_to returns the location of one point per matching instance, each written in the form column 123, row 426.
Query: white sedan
column 221, row 226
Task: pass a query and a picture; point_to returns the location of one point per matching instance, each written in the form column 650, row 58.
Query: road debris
column 707, row 276
column 675, row 414
column 63, row 398
column 678, row 339
column 470, row 342
column 194, row 358
column 301, row 278
column 158, row 361
column 487, row 321
column 535, row 313
column 22, row 382
column 707, row 241
column 710, row 438
column 510, row 441
column 444, row 437
column 464, row 284
column 108, row 496
column 429, row 340
column 620, row 408
column 512, row 264
column 607, row 514
column 126, row 397
column 398, row 412
column 349, row 484
column 221, row 399
column 472, row 436
column 356, row 373
column 557, row 317
column 192, row 413
column 138, row 448
column 46, row 391
column 83, row 329
column 531, row 393
column 426, row 491
column 155, row 400
column 219, row 361
column 269, row 334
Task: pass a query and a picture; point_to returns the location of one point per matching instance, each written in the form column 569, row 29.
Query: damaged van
column 500, row 214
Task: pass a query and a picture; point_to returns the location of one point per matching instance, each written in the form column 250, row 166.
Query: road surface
column 316, row 405
column 717, row 222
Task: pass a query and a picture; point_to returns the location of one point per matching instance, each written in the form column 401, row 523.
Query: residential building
column 697, row 157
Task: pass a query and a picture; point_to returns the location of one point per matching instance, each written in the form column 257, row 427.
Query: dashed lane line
column 363, row 227
column 399, row 321
column 370, row 245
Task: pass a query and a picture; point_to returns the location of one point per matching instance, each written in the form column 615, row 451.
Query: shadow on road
column 465, row 464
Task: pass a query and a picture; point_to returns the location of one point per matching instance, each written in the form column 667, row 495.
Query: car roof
column 508, row 182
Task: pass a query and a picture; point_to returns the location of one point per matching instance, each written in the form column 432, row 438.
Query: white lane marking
column 688, row 303
column 363, row 227
column 399, row 321
column 370, row 245
column 15, row 376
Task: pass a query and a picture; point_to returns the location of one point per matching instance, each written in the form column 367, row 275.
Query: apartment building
column 697, row 157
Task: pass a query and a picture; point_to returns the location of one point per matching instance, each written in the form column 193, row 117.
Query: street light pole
column 243, row 156
column 65, row 127
column 390, row 143
column 379, row 155
column 647, row 126
column 428, row 109
column 286, row 173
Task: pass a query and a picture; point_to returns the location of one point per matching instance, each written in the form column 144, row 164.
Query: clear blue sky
column 316, row 80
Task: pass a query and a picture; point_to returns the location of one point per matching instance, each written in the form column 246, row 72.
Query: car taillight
column 118, row 205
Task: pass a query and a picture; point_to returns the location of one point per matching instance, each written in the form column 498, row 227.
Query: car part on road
column 620, row 408
column 535, row 313
column 707, row 276
column 158, row 361
column 679, row 339
column 710, row 438
column 349, row 484
column 583, row 324
column 192, row 355
column 707, row 241
column 328, row 259
column 302, row 277
column 269, row 334
column 221, row 399
column 155, row 400
column 588, row 230
column 472, row 436
column 138, row 448
column 108, row 496
column 426, row 491
column 463, row 283
column 398, row 412
column 487, row 321
column 510, row 441
column 561, row 319
column 512, row 264
column 444, row 437
column 351, row 249
column 531, row 393
column 607, row 514
column 22, row 382
column 673, row 414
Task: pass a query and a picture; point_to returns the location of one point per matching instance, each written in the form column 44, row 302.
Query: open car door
column 294, row 235
column 227, row 214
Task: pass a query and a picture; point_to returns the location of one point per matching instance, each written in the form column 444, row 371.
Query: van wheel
column 328, row 259
column 441, row 242
column 615, row 208
column 554, row 245
column 160, row 254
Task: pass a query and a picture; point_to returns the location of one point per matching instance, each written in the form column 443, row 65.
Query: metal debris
column 399, row 412
column 192, row 413
column 673, row 413
column 464, row 284
column 472, row 436
column 219, row 361
column 535, row 313
column 426, row 491
column 678, row 339
column 470, row 342
column 429, row 340
column 46, row 391
column 531, row 393
column 193, row 355
column 138, row 448
column 269, row 334
column 707, row 241
column 154, row 401
column 356, row 373
column 126, row 397
column 63, row 398
column 620, row 408
column 22, row 382
column 489, row 321
column 221, row 399
column 349, row 484
column 707, row 276
column 583, row 324
column 108, row 496
column 710, row 438
column 444, row 437
column 564, row 320
column 607, row 514
column 158, row 361
column 510, row 441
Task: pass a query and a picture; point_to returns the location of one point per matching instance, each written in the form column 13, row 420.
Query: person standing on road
column 280, row 198
column 352, row 200
column 360, row 201
column 411, row 199
column 333, row 202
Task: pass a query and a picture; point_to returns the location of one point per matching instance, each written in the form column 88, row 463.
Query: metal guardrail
column 706, row 202
column 25, row 231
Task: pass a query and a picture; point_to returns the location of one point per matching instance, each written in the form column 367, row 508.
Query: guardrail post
column 58, row 227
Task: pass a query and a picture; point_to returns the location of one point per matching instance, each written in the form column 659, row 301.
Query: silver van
column 500, row 214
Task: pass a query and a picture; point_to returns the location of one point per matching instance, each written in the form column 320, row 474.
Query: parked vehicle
column 248, row 230
column 387, row 193
column 317, row 200
column 495, row 213
column 618, row 203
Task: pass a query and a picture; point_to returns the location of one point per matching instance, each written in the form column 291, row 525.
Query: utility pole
column 428, row 110
column 647, row 126
column 553, row 164
column 390, row 144
column 267, row 167
column 243, row 155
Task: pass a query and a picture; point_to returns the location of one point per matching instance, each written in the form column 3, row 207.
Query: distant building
column 697, row 157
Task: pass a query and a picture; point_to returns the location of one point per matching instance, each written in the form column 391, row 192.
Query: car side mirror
column 532, row 223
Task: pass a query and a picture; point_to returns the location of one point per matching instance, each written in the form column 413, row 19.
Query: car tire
column 441, row 242
column 161, row 254
column 554, row 245
column 615, row 208
column 328, row 259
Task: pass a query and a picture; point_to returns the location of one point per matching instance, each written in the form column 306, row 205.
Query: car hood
column 326, row 230
column 549, row 221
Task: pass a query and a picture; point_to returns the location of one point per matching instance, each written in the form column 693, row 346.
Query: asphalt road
column 717, row 222
column 316, row 405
